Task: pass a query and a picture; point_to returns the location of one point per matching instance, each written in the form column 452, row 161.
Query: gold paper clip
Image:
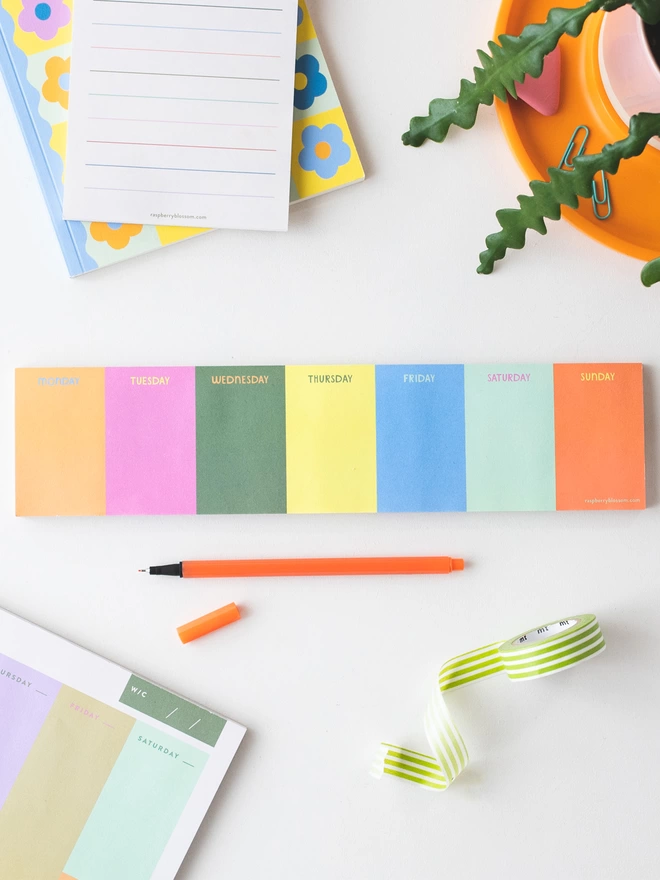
column 569, row 155
column 596, row 201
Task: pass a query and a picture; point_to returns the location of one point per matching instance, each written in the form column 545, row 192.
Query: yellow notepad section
column 60, row 442
column 59, row 784
column 331, row 439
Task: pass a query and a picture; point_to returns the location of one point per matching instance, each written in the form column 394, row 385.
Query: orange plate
column 538, row 142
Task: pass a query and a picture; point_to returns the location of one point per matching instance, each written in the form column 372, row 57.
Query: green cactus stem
column 508, row 63
column 651, row 273
column 565, row 188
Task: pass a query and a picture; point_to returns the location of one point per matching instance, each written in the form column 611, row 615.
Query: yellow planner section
column 331, row 433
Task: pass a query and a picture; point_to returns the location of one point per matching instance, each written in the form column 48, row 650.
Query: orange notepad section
column 60, row 442
column 599, row 436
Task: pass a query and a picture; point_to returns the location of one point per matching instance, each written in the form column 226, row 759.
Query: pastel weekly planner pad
column 35, row 60
column 103, row 775
column 329, row 439
column 181, row 112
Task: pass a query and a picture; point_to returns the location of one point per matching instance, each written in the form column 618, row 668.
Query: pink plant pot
column 631, row 74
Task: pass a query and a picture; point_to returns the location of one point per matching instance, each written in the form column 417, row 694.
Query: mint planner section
column 138, row 808
column 510, row 437
column 329, row 439
column 420, row 424
column 241, row 443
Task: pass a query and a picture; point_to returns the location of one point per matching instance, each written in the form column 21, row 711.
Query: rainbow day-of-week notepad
column 103, row 775
column 35, row 60
column 329, row 439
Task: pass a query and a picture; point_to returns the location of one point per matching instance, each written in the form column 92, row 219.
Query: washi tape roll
column 534, row 654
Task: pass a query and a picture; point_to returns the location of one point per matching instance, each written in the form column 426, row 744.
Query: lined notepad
column 34, row 65
column 180, row 113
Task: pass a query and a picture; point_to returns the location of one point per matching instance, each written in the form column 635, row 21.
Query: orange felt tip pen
column 332, row 566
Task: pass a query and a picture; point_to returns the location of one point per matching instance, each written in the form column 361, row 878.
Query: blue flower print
column 324, row 150
column 301, row 15
column 309, row 83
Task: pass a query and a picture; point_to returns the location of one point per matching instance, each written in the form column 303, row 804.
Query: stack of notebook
column 178, row 118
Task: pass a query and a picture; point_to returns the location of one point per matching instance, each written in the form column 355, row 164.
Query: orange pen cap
column 209, row 623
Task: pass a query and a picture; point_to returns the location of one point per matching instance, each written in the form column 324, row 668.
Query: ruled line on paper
column 164, row 168
column 187, row 146
column 181, row 122
column 212, row 56
column 186, row 75
column 168, row 192
column 174, row 27
column 178, row 98
column 185, row 52
column 202, row 5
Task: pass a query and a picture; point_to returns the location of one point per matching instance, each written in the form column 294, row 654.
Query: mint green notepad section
column 138, row 808
column 241, row 437
column 510, row 437
column 172, row 710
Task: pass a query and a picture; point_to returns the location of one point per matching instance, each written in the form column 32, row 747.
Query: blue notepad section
column 420, row 418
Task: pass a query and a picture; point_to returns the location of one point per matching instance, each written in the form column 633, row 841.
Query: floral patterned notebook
column 35, row 57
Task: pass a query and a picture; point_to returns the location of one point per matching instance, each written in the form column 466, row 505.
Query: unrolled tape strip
column 543, row 651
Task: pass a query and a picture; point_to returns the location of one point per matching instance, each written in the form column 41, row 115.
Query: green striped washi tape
column 542, row 651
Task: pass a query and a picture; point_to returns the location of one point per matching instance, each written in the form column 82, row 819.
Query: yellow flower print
column 117, row 235
column 56, row 87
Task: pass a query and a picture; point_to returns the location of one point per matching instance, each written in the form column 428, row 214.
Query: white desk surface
column 565, row 770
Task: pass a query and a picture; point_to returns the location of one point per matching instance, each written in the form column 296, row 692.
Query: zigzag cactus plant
column 563, row 188
column 508, row 64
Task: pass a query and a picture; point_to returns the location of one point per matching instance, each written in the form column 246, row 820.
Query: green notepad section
column 156, row 702
column 138, row 809
column 510, row 437
column 241, row 440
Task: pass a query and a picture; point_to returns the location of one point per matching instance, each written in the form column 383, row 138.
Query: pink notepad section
column 150, row 440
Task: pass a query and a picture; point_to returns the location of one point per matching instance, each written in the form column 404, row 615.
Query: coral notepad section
column 599, row 416
column 329, row 439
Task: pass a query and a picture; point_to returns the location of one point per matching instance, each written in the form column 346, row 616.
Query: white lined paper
column 180, row 113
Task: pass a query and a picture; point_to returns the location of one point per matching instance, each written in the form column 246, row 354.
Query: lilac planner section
column 25, row 699
column 150, row 440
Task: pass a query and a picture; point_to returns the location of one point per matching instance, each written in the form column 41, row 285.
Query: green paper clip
column 596, row 201
column 566, row 160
